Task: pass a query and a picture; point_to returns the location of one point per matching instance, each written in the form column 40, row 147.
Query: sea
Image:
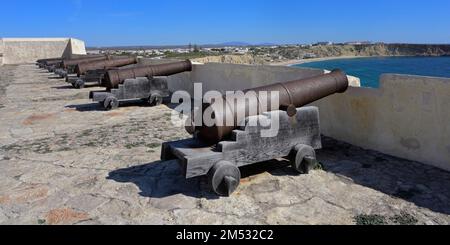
column 369, row 69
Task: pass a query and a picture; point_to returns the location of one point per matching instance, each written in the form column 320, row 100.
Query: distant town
column 268, row 52
column 242, row 53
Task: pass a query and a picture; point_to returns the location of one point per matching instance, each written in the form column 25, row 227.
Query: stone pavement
column 65, row 161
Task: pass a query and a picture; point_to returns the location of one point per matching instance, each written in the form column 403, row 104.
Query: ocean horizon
column 369, row 69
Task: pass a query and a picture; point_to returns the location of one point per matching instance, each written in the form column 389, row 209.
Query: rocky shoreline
column 303, row 61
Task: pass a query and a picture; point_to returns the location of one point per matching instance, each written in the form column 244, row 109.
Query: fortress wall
column 407, row 117
column 1, row 51
column 28, row 50
column 77, row 47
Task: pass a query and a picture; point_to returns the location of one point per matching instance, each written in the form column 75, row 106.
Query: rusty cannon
column 43, row 62
column 290, row 130
column 147, row 83
column 56, row 64
column 292, row 95
column 50, row 64
column 93, row 72
column 115, row 77
column 67, row 66
column 82, row 68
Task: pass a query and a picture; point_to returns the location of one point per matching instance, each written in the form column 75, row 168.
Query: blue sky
column 168, row 22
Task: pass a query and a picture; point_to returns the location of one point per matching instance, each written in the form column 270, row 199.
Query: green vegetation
column 404, row 219
column 319, row 166
column 401, row 219
column 133, row 145
column 90, row 144
column 192, row 55
column 153, row 145
column 85, row 133
column 133, row 130
column 139, row 144
column 364, row 219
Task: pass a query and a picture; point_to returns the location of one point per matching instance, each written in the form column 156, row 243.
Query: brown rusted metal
column 73, row 62
column 82, row 68
column 43, row 61
column 52, row 62
column 292, row 95
column 72, row 57
column 115, row 77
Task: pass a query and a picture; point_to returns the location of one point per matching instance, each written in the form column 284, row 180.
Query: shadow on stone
column 86, row 107
column 163, row 179
column 55, row 78
column 63, row 87
column 276, row 167
column 72, row 88
column 423, row 185
column 122, row 104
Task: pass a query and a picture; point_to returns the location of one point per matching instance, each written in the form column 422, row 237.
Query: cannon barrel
column 52, row 62
column 47, row 62
column 43, row 61
column 72, row 57
column 82, row 68
column 73, row 62
column 115, row 77
column 292, row 95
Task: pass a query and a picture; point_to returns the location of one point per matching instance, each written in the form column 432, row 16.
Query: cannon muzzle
column 115, row 77
column 292, row 95
column 82, row 68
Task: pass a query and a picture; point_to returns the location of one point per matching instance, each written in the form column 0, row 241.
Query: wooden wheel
column 304, row 159
column 79, row 84
column 224, row 178
column 155, row 99
column 111, row 103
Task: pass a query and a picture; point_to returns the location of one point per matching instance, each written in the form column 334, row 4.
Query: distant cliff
column 282, row 54
column 364, row 50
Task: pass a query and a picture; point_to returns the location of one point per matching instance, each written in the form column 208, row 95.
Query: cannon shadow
column 163, row 179
column 72, row 88
column 425, row 186
column 95, row 106
column 55, row 78
column 63, row 87
column 86, row 107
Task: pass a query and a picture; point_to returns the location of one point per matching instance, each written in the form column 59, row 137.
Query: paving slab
column 63, row 160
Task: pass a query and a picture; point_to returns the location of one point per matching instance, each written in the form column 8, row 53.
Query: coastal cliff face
column 232, row 59
column 366, row 50
column 282, row 54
